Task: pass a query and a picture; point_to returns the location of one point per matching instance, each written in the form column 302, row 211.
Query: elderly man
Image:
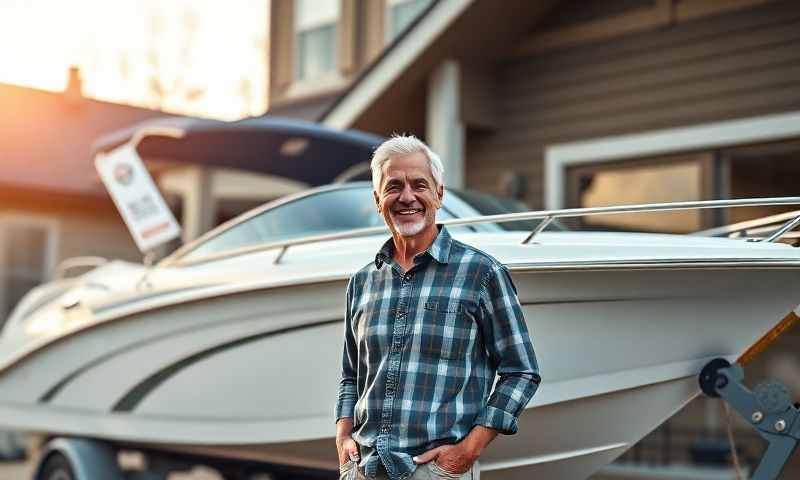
column 429, row 324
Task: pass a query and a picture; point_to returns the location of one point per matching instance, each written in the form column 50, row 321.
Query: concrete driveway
column 23, row 471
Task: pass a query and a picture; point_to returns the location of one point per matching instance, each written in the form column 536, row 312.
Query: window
column 765, row 170
column 753, row 171
column 400, row 14
column 665, row 179
column 742, row 158
column 25, row 259
column 315, row 38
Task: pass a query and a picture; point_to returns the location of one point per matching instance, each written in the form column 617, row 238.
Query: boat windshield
column 486, row 204
column 330, row 211
column 340, row 210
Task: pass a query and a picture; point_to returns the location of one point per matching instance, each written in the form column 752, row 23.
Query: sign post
column 142, row 207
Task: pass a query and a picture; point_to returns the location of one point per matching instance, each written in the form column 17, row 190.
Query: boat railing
column 547, row 217
column 756, row 228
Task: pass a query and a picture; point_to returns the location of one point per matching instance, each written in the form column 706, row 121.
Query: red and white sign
column 130, row 185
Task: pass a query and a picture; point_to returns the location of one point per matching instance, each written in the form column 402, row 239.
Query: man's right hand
column 348, row 451
column 345, row 445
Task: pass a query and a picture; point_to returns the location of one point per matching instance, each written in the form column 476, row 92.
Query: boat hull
column 252, row 373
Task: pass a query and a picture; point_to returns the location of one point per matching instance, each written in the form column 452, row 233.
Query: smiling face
column 408, row 197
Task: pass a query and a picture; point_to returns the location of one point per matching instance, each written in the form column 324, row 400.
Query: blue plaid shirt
column 422, row 349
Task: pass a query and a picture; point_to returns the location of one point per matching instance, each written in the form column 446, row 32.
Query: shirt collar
column 439, row 249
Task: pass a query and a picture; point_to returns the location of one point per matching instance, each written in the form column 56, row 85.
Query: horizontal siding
column 736, row 65
column 661, row 109
column 566, row 14
column 728, row 26
column 698, row 63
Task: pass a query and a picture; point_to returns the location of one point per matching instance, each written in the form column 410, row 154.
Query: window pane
column 16, row 288
column 310, row 14
column 673, row 180
column 315, row 37
column 25, row 249
column 24, row 256
column 402, row 13
column 316, row 52
column 763, row 171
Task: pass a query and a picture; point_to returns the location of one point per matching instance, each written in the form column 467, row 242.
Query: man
column 428, row 326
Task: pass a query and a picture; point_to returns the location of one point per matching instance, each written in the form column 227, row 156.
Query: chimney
column 73, row 93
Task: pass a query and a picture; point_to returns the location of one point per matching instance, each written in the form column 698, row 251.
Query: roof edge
column 386, row 69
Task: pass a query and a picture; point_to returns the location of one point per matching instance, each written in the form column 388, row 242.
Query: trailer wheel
column 56, row 467
column 75, row 458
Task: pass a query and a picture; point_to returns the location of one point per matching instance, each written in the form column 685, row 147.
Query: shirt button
column 407, row 277
column 385, row 429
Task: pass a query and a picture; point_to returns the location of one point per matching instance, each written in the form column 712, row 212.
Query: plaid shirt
column 421, row 351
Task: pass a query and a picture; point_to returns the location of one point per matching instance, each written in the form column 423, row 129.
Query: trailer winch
column 768, row 408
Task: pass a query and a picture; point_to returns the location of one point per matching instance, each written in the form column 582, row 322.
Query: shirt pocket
column 448, row 330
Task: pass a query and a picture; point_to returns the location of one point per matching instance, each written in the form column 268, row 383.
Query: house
column 576, row 103
column 318, row 48
column 52, row 204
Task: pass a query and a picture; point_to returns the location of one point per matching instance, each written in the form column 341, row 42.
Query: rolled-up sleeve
column 348, row 394
column 510, row 351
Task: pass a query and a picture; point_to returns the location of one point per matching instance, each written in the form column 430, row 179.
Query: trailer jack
column 768, row 408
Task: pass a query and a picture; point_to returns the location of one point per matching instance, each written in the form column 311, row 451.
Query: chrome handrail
column 510, row 217
column 791, row 224
column 637, row 208
column 539, row 228
column 747, row 225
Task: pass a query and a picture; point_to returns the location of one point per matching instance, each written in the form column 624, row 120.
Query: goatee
column 409, row 229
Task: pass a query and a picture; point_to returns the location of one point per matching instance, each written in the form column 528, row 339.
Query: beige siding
column 735, row 65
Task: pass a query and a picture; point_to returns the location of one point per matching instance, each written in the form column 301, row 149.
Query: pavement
column 13, row 444
column 14, row 471
column 23, row 471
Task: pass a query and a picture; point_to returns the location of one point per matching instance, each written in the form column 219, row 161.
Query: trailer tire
column 56, row 467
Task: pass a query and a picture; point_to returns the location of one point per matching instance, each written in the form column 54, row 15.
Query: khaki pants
column 426, row 471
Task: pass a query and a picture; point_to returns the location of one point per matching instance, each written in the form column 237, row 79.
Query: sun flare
column 199, row 57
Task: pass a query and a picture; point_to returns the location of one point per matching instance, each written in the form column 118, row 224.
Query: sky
column 196, row 57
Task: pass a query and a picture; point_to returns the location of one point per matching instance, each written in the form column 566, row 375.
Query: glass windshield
column 325, row 212
column 487, row 204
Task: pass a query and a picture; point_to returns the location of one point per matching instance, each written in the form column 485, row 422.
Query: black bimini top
column 294, row 149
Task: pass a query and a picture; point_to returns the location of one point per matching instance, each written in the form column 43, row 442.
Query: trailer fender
column 89, row 459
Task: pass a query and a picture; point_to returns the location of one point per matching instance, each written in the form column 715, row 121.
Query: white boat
column 229, row 349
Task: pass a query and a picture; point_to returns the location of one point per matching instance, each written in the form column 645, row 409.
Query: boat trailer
column 768, row 408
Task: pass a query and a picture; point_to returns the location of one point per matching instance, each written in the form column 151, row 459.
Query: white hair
column 404, row 145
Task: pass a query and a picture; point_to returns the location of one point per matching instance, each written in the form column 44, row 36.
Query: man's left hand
column 458, row 458
column 455, row 458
